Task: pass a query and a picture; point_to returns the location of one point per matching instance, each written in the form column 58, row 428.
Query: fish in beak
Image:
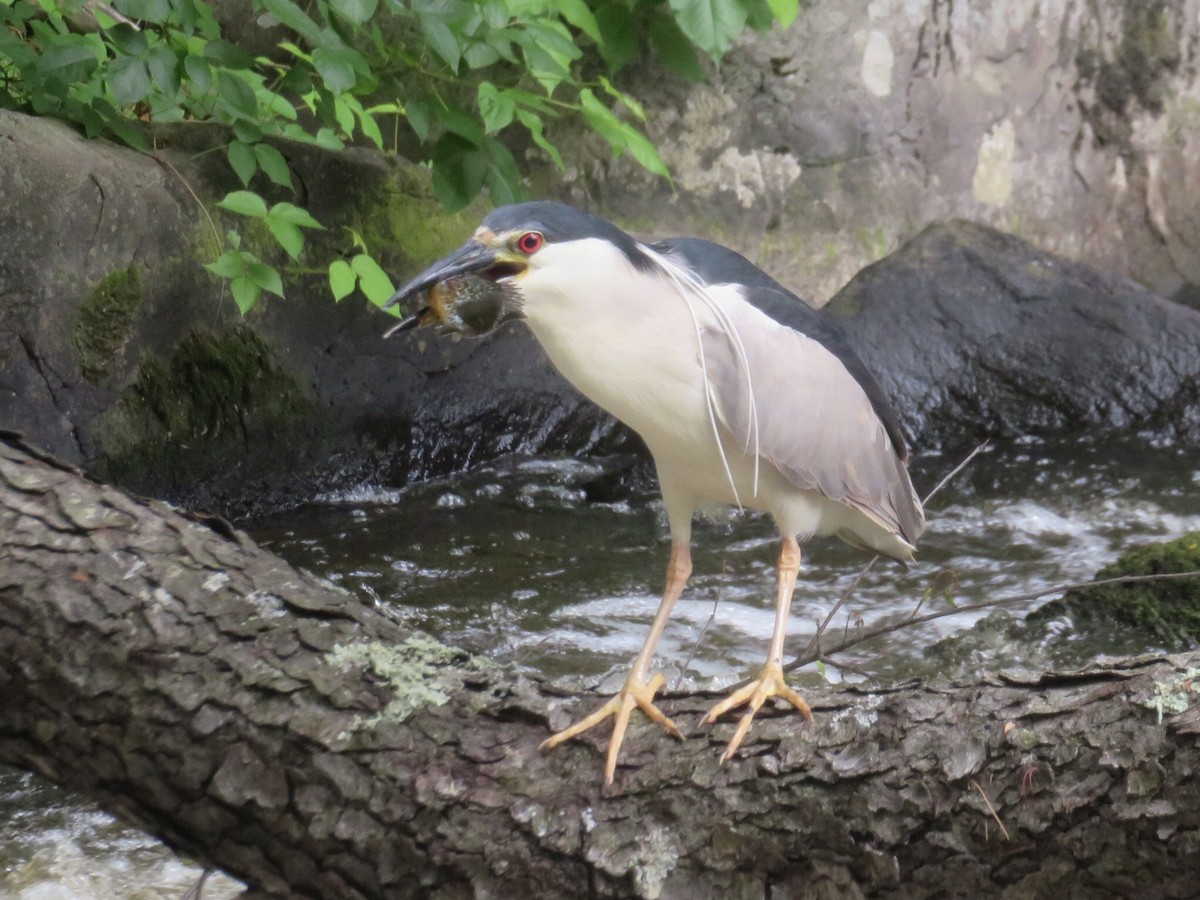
column 469, row 292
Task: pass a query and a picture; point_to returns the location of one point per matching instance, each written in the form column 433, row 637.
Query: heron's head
column 489, row 280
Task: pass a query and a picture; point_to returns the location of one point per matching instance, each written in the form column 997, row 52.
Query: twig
column 846, row 594
column 991, row 809
column 195, row 891
column 878, row 630
column 850, row 588
column 703, row 631
column 165, row 163
column 953, row 472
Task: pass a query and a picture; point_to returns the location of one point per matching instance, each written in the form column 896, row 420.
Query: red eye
column 530, row 242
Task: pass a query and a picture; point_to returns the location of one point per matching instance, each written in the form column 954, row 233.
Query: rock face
column 120, row 352
column 821, row 149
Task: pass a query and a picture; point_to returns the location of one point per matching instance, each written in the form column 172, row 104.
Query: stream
column 515, row 561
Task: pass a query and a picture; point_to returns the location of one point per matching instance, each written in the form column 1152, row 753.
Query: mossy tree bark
column 275, row 727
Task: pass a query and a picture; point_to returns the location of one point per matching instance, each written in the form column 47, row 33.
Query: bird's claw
column 634, row 693
column 769, row 683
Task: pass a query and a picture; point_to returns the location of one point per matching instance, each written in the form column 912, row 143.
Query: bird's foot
column 634, row 693
column 769, row 683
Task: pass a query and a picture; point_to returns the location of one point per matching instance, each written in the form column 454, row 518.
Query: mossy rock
column 218, row 403
column 106, row 321
column 1169, row 610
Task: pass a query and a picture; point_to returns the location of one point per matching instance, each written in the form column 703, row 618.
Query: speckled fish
column 464, row 304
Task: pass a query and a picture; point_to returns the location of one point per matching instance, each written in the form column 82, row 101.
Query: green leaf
column 459, row 169
column 289, row 212
column 228, row 265
column 372, row 280
column 244, row 203
column 536, row 128
column 619, row 43
column 480, row 55
column 420, row 117
column 577, row 13
column 644, row 151
column 199, row 73
column 672, row 47
column 443, row 42
column 289, row 236
column 758, row 14
column 157, row 11
column 621, row 136
column 247, row 132
column 355, row 11
column 128, row 79
column 602, row 120
column 164, row 70
column 327, row 140
column 242, row 159
column 369, row 127
column 236, row 95
column 245, row 293
column 785, row 11
column 68, row 60
column 229, row 55
column 710, row 24
column 624, row 99
column 266, row 277
column 496, row 108
column 341, row 279
column 460, row 122
column 503, row 176
column 272, row 162
column 293, row 17
column 336, row 67
column 344, row 115
column 129, row 40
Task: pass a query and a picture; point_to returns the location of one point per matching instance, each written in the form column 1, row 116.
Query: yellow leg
column 769, row 682
column 637, row 691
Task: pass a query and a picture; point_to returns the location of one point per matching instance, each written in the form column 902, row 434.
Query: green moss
column 407, row 217
column 217, row 393
column 105, row 322
column 1169, row 610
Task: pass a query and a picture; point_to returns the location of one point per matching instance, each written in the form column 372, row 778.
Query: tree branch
column 273, row 726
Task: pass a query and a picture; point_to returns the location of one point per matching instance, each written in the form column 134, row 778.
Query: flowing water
column 516, row 562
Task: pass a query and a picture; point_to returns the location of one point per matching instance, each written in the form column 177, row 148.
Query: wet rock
column 975, row 333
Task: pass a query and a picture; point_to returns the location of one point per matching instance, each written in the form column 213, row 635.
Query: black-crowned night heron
column 685, row 341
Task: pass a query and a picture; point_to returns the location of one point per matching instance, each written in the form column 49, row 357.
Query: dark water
column 515, row 562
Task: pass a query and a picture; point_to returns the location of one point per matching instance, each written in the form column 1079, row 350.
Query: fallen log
column 271, row 725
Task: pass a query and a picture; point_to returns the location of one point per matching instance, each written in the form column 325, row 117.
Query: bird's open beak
column 472, row 259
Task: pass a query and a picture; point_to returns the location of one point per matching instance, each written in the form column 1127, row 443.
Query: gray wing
column 815, row 423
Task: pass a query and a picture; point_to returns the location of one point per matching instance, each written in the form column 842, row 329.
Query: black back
column 720, row 265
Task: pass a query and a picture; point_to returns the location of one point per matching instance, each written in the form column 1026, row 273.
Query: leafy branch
column 465, row 79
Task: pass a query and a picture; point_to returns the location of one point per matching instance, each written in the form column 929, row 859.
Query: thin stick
column 850, row 588
column 846, row 594
column 950, row 475
column 878, row 630
column 991, row 809
column 703, row 631
column 165, row 163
